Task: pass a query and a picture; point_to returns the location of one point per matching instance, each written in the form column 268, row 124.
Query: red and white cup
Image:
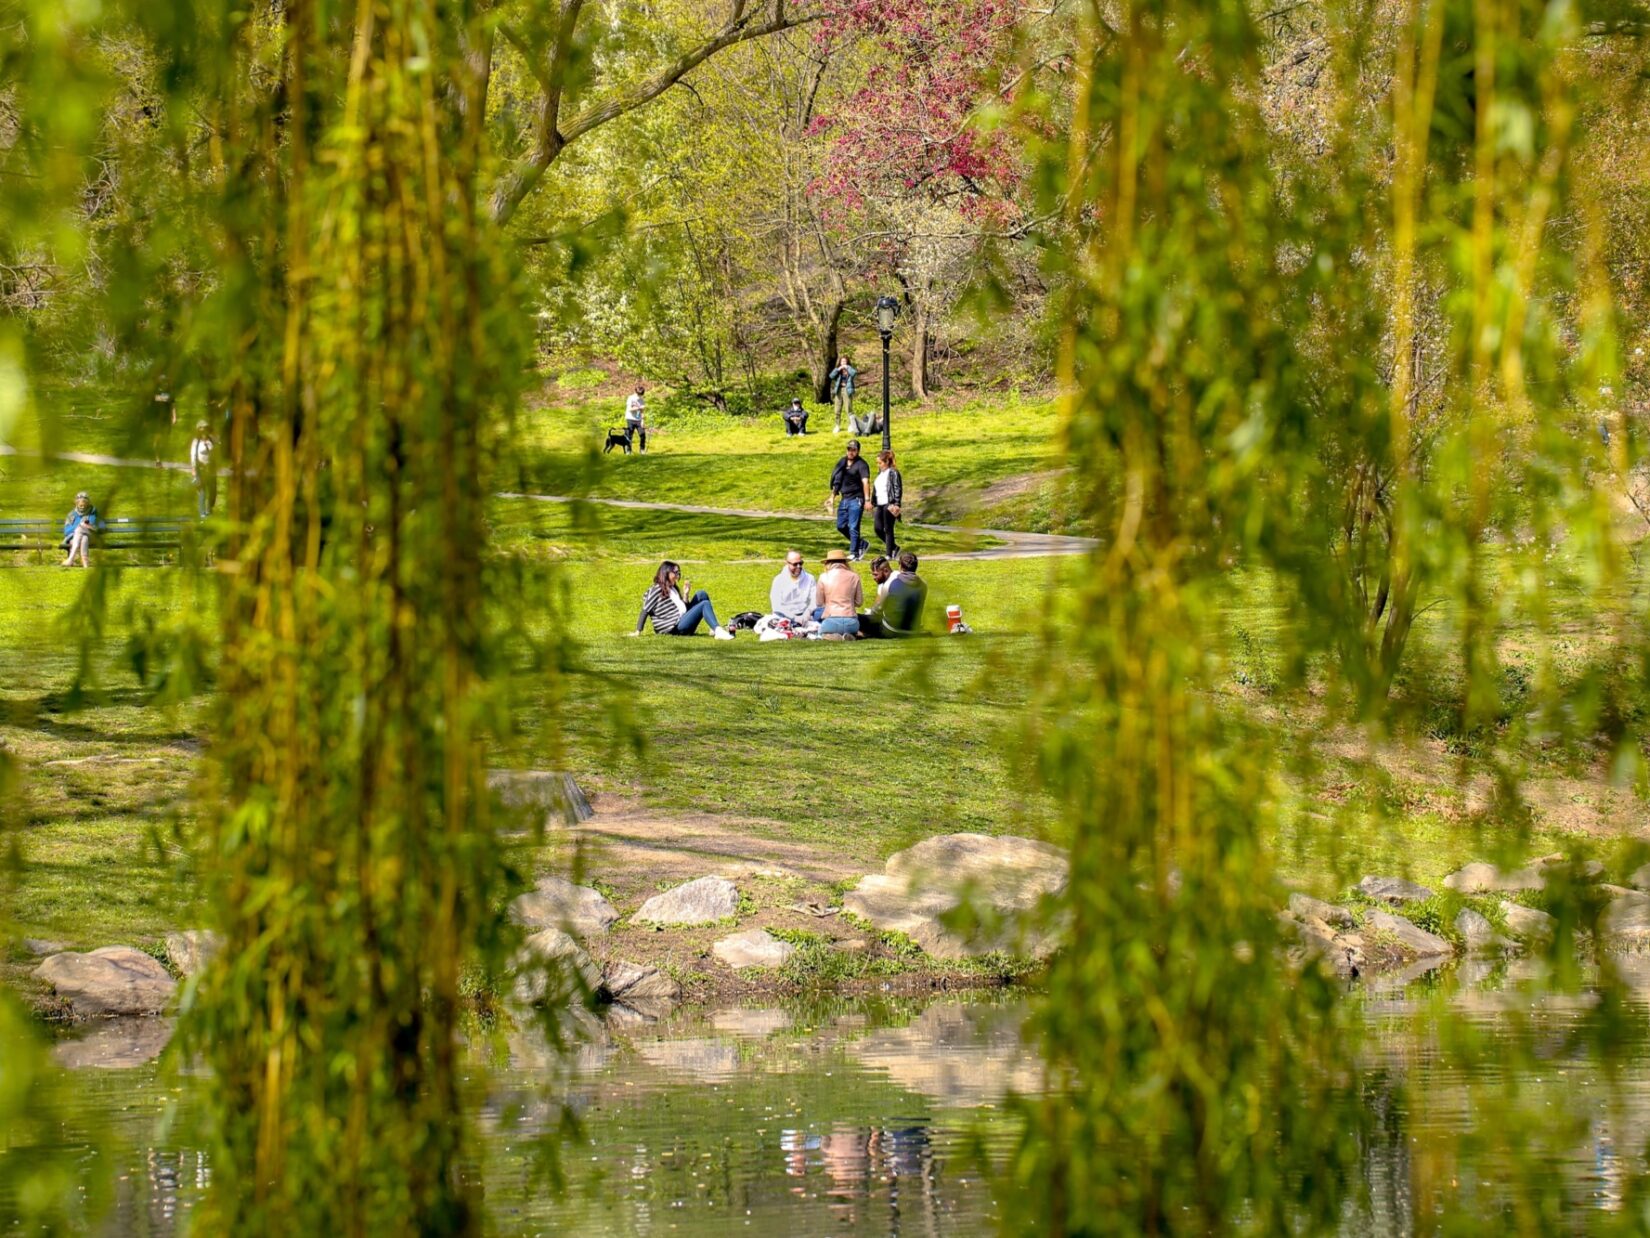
column 953, row 616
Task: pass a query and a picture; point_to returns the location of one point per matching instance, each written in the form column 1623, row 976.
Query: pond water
column 887, row 1116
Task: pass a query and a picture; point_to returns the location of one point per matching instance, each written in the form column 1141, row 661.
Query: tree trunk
column 825, row 353
column 921, row 341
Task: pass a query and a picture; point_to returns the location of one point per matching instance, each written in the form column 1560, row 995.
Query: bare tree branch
column 551, row 137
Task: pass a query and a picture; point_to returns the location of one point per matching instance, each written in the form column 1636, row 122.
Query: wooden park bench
column 137, row 534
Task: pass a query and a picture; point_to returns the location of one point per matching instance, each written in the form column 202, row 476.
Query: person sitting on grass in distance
column 673, row 612
column 840, row 595
column 795, row 418
column 898, row 611
column 791, row 596
column 78, row 527
column 850, row 494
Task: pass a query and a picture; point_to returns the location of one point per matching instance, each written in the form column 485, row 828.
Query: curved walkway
column 1012, row 544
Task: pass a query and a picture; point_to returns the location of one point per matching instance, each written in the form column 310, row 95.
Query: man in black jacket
column 850, row 492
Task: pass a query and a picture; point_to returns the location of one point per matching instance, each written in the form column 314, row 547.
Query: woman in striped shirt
column 672, row 614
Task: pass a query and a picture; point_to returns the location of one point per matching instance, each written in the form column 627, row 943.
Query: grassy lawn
column 863, row 748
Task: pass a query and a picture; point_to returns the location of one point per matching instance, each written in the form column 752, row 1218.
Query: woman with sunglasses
column 673, row 612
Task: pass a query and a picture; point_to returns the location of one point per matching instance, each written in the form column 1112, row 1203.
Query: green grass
column 990, row 466
column 863, row 748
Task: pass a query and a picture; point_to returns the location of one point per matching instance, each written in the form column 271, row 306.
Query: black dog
column 616, row 438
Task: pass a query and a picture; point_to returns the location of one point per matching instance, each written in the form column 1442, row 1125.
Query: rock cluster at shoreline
column 943, row 902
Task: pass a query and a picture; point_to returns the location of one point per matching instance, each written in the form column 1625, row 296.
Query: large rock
column 698, row 902
column 1479, row 934
column 1526, row 923
column 1640, row 880
column 556, row 902
column 113, row 980
column 631, row 983
column 1305, row 907
column 550, row 796
column 554, row 968
column 1411, row 937
column 1482, row 878
column 1392, row 890
column 753, row 948
column 1626, row 921
column 1002, row 879
column 192, row 949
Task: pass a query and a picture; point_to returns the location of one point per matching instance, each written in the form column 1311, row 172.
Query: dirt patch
column 630, row 853
column 1014, row 487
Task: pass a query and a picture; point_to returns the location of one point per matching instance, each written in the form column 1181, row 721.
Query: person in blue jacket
column 78, row 528
column 842, row 392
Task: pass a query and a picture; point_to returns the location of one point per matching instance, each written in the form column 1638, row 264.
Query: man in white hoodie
column 791, row 596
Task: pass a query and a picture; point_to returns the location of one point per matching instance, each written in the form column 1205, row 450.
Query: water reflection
column 879, row 1116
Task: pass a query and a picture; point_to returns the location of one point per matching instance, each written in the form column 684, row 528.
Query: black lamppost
column 887, row 312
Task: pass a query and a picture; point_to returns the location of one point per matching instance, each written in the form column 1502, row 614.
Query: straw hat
column 836, row 556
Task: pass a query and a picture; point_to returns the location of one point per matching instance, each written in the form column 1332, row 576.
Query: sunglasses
column 793, row 562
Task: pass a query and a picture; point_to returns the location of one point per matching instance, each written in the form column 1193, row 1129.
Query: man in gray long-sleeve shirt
column 791, row 596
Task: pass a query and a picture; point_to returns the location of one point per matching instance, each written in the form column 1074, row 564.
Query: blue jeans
column 698, row 608
column 839, row 626
column 848, row 514
column 631, row 430
column 795, row 423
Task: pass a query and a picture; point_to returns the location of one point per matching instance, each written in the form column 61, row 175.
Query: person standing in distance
column 850, row 493
column 635, row 417
column 842, row 392
column 202, row 471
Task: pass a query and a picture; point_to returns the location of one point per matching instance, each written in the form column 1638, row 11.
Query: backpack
column 745, row 620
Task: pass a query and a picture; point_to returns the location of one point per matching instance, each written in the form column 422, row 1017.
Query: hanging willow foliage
column 372, row 360
column 1249, row 331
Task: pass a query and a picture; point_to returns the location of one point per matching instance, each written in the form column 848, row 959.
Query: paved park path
column 1010, row 543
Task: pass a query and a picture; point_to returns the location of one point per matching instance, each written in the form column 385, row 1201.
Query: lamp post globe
column 887, row 313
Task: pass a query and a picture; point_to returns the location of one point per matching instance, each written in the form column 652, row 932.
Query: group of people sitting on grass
column 799, row 606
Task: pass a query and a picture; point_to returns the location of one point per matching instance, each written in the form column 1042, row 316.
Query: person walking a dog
column 635, row 418
column 850, row 495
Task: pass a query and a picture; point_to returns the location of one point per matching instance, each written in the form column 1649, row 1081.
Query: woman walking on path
column 673, row 614
column 886, row 493
column 202, row 471
column 78, row 527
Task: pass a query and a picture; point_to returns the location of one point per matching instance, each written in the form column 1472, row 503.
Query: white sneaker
column 723, row 634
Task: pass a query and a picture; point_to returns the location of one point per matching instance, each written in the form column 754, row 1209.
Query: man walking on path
column 850, row 492
column 842, row 392
column 791, row 596
column 635, row 414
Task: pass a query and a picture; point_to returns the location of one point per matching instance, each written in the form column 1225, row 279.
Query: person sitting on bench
column 78, row 528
